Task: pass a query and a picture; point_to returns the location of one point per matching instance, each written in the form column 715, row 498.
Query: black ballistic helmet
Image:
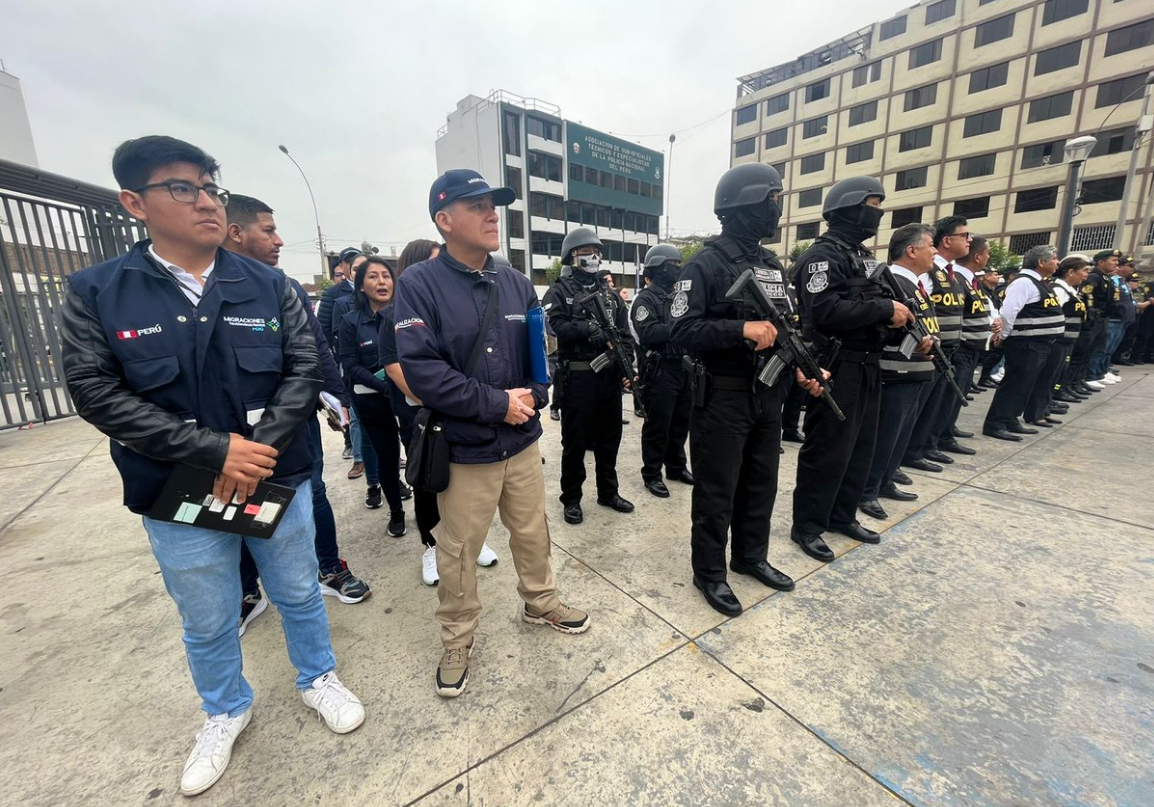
column 851, row 193
column 579, row 237
column 742, row 185
column 661, row 253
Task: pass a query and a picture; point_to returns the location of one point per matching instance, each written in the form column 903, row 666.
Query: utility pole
column 1077, row 151
column 668, row 184
column 1144, row 125
column 316, row 215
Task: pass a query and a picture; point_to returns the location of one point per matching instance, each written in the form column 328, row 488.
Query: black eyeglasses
column 187, row 193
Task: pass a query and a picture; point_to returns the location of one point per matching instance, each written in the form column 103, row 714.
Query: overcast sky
column 357, row 90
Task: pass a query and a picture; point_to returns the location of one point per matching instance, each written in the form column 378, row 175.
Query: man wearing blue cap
column 462, row 340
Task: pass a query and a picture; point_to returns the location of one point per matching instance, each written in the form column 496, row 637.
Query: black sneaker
column 373, row 497
column 252, row 606
column 343, row 584
column 406, row 492
column 397, row 526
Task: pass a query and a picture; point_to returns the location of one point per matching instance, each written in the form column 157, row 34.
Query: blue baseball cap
column 463, row 183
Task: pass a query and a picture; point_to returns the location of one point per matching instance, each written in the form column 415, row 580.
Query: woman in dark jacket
column 405, row 408
column 369, row 392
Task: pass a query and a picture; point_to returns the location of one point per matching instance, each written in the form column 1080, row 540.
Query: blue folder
column 538, row 359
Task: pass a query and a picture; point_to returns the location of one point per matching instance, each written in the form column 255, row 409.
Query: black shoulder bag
column 427, row 464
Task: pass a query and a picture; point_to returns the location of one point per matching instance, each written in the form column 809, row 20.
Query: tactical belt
column 579, row 365
column 731, row 382
column 859, row 356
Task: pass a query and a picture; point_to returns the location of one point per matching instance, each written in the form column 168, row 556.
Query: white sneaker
column 998, row 376
column 1106, row 379
column 342, row 710
column 1098, row 385
column 212, row 751
column 429, row 567
column 1113, row 377
column 487, row 557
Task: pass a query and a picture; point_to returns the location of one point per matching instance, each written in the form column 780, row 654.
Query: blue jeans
column 199, row 570
column 362, row 447
column 1115, row 330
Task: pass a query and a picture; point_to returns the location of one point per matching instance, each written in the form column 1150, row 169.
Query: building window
column 778, row 137
column 907, row 215
column 867, row 74
column 892, row 28
column 517, row 259
column 780, row 168
column 921, row 96
column 814, row 127
column 1114, row 141
column 743, row 148
column 817, row 91
column 1092, row 238
column 926, row 53
column 1120, row 90
column 1036, row 199
column 980, row 166
column 911, row 178
column 512, row 126
column 859, row 152
column 549, row 130
column 1059, row 58
column 1043, row 154
column 1108, row 189
column 516, row 221
column 548, row 244
column 994, row 31
column 747, row 114
column 1057, row 10
column 812, row 163
column 620, row 183
column 863, row 113
column 546, row 205
column 973, row 208
column 633, row 186
column 989, row 77
column 809, row 198
column 1131, row 37
column 916, row 138
column 576, row 172
column 1022, row 243
column 941, row 10
column 545, row 166
column 778, row 103
column 982, row 123
column 513, row 179
column 808, row 231
column 1050, row 107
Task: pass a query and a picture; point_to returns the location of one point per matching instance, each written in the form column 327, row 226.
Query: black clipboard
column 187, row 499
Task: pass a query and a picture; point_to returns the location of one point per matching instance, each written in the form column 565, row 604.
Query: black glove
column 596, row 335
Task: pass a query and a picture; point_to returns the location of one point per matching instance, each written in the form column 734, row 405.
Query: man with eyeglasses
column 186, row 354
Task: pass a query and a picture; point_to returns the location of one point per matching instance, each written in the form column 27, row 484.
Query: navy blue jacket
column 168, row 381
column 440, row 304
column 359, row 354
column 332, row 373
column 329, row 322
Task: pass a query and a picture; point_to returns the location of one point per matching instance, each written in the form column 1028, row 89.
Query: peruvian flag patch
column 126, row 334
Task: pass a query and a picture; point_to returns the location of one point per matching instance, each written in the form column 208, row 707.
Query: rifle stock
column 615, row 354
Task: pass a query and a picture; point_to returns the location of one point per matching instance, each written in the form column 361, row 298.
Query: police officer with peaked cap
column 590, row 401
column 735, row 434
column 842, row 298
column 668, row 397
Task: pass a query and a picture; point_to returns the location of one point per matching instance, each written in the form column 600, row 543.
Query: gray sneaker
column 562, row 618
column 343, row 584
column 453, row 671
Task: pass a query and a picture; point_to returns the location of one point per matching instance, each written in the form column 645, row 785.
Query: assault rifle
column 915, row 333
column 594, row 303
column 791, row 350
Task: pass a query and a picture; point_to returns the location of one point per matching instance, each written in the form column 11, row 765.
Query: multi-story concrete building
column 565, row 175
column 15, row 132
column 963, row 106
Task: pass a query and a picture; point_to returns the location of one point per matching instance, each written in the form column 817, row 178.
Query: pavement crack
column 596, row 665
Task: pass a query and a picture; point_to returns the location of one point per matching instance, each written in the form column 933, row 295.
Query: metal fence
column 50, row 227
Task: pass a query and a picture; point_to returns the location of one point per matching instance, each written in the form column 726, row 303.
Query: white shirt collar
column 178, row 271
column 901, row 271
column 1032, row 273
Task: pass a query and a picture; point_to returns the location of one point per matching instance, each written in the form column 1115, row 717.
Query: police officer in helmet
column 590, row 401
column 668, row 397
column 841, row 298
column 735, row 433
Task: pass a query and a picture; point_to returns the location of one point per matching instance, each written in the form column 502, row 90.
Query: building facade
column 565, row 175
column 15, row 132
column 963, row 107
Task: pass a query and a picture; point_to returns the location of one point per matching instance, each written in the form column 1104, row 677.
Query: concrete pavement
column 995, row 649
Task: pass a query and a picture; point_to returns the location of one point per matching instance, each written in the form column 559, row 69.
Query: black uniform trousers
column 1079, row 357
column 834, row 462
column 380, row 426
column 902, row 403
column 1143, row 344
column 965, row 360
column 1025, row 359
column 590, row 419
column 990, row 360
column 1038, row 401
column 791, row 410
column 925, row 435
column 668, row 409
column 735, row 440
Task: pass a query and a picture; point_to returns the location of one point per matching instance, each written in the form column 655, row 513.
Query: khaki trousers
column 517, row 488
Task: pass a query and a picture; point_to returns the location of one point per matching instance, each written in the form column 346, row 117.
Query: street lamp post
column 1077, row 151
column 1139, row 135
column 668, row 183
column 316, row 215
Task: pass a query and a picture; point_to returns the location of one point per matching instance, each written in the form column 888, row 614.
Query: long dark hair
column 360, row 300
column 415, row 252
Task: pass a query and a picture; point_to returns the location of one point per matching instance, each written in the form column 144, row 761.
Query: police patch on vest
column 942, row 276
column 642, row 313
column 818, row 282
column 766, row 275
column 680, row 303
column 820, row 266
column 682, row 285
column 774, row 290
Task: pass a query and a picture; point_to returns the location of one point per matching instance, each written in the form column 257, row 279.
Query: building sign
column 604, row 152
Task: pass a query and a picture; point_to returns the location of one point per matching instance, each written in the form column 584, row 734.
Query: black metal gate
column 50, row 227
